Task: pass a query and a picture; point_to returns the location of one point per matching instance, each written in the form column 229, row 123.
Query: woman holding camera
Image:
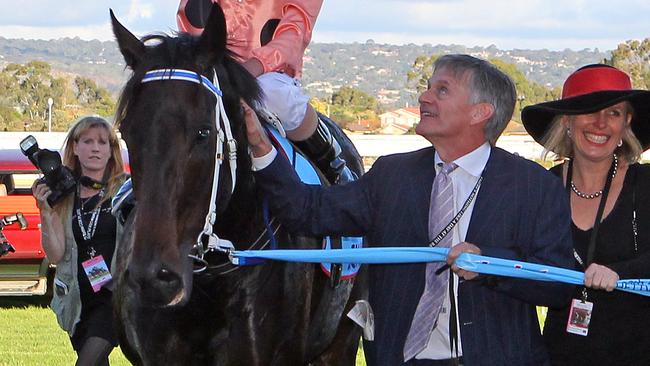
column 79, row 236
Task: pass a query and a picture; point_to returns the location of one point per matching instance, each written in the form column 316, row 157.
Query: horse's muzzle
column 158, row 287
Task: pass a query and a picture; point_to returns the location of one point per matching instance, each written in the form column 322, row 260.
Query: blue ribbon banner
column 470, row 262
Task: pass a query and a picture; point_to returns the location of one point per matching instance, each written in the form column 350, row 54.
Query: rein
column 224, row 137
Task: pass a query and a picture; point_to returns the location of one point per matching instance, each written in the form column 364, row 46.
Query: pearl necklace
column 597, row 194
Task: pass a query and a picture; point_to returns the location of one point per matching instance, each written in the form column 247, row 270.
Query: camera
column 56, row 176
column 5, row 246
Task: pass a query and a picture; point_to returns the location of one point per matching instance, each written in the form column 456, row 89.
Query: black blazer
column 521, row 212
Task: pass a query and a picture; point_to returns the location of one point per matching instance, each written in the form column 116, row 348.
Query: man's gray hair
column 487, row 85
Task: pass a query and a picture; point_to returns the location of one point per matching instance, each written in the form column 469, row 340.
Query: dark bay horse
column 177, row 133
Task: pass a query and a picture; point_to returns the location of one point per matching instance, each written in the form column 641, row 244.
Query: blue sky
column 508, row 24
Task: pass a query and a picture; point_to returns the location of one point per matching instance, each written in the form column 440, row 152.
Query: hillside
column 377, row 69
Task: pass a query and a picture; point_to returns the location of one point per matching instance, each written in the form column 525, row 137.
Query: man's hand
column 258, row 141
column 600, row 277
column 455, row 251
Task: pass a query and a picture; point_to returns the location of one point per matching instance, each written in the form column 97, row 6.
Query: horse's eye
column 204, row 132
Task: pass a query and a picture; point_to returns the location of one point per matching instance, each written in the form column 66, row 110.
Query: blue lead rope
column 470, row 262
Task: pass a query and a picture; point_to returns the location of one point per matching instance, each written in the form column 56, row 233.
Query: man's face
column 445, row 107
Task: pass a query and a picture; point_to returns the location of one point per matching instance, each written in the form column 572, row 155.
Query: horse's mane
column 181, row 51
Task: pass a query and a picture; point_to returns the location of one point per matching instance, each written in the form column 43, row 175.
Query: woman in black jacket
column 599, row 128
column 79, row 236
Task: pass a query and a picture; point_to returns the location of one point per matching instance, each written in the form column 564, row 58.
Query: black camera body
column 56, row 176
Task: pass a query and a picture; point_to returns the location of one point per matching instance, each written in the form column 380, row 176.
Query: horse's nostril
column 166, row 275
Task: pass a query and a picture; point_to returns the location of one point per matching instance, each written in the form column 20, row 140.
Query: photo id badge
column 97, row 272
column 579, row 317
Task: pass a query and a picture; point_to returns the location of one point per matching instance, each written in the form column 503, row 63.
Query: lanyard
column 460, row 213
column 591, row 249
column 88, row 232
column 453, row 330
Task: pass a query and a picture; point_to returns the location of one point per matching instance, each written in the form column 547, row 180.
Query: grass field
column 30, row 336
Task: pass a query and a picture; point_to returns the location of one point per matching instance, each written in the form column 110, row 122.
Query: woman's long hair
column 557, row 142
column 114, row 174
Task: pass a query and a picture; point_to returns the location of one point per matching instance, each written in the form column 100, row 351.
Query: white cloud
column 553, row 24
column 470, row 40
column 138, row 10
column 534, row 24
column 100, row 32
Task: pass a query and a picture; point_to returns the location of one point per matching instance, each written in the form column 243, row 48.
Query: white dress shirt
column 259, row 163
column 464, row 179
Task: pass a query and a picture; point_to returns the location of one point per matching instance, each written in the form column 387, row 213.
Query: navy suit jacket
column 521, row 212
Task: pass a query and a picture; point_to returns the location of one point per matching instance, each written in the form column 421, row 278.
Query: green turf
column 29, row 335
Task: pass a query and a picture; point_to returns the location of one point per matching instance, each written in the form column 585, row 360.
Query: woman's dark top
column 96, row 307
column 619, row 331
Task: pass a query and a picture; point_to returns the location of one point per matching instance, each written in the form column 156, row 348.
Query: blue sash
column 308, row 175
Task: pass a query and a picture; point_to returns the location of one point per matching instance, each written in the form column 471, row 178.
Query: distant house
column 399, row 121
column 408, row 116
column 394, row 129
column 363, row 126
column 387, row 96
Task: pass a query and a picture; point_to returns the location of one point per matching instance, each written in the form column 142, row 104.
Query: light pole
column 520, row 99
column 50, row 101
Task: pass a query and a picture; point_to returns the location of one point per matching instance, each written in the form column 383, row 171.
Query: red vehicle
column 25, row 271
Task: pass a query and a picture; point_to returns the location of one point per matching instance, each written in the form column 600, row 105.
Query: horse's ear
column 130, row 46
column 212, row 44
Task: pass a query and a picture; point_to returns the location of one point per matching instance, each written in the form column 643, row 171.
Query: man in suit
column 504, row 206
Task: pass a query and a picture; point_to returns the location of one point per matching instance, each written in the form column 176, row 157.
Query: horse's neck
column 244, row 214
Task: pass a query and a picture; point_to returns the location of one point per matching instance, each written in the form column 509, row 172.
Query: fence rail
column 369, row 146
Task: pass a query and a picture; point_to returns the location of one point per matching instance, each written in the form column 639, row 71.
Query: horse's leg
column 343, row 348
column 296, row 307
column 325, row 319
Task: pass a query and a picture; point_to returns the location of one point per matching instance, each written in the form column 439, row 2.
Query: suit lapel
column 492, row 195
column 423, row 182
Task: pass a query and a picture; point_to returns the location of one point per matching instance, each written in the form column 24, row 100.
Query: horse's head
column 171, row 124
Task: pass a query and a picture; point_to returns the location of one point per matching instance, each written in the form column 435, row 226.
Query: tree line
column 634, row 58
column 348, row 105
column 27, row 88
column 24, row 107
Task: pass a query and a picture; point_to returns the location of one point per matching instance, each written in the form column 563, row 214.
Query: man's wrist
column 261, row 162
column 254, row 66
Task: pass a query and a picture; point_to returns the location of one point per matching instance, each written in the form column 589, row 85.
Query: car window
column 17, row 183
column 25, row 180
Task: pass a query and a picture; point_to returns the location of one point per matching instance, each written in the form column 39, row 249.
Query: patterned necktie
column 441, row 212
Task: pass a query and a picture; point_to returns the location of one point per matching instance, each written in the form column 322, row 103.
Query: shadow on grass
column 9, row 302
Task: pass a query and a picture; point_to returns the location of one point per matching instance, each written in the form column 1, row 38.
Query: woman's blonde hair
column 114, row 173
column 557, row 141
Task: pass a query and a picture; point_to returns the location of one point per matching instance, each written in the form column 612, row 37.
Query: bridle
column 214, row 243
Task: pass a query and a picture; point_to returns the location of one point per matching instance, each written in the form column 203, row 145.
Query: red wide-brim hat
column 589, row 90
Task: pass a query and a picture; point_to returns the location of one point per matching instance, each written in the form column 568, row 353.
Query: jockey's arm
column 292, row 36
